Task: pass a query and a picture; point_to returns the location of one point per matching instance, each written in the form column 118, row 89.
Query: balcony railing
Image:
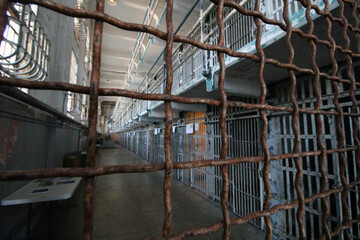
column 190, row 63
column 24, row 51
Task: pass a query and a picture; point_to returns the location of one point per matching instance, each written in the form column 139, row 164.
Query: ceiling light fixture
column 112, row 2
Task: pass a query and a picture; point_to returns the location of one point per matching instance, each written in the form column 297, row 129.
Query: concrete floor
column 130, row 206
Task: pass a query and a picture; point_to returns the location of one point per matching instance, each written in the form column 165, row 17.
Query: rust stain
column 8, row 137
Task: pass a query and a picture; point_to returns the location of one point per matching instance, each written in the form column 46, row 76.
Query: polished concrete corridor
column 130, row 206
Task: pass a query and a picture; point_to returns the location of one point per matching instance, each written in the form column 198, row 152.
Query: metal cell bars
column 188, row 63
column 193, row 143
column 143, row 143
column 199, row 176
column 245, row 192
column 239, row 31
column 268, row 210
column 275, row 8
column 146, row 142
column 25, row 47
column 281, row 138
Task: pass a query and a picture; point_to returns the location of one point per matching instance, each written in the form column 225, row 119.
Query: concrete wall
column 60, row 31
column 31, row 138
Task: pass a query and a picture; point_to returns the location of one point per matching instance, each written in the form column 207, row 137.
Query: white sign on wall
column 189, row 128
column 173, row 128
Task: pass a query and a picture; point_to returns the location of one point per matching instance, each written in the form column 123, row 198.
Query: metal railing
column 190, row 63
column 24, row 51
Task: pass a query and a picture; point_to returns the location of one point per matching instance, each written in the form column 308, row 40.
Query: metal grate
column 24, row 52
column 346, row 120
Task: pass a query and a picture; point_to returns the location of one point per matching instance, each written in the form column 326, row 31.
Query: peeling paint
column 8, row 138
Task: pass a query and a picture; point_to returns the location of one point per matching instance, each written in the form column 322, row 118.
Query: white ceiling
column 118, row 44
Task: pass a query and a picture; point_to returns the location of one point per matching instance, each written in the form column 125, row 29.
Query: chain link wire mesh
column 348, row 220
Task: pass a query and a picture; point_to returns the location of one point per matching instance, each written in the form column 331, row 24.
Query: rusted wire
column 80, row 13
column 157, row 97
column 344, row 227
column 92, row 123
column 349, row 73
column 168, row 120
column 264, row 120
column 319, row 125
column 294, row 124
column 340, row 136
column 222, row 124
column 283, row 26
column 356, row 7
column 151, row 167
column 257, row 214
column 94, row 91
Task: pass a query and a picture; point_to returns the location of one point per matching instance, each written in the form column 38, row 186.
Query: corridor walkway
column 130, row 206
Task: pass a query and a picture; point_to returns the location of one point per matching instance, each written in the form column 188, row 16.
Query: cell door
column 246, row 189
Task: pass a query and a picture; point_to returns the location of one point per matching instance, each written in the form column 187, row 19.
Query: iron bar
column 157, row 97
column 319, row 125
column 283, row 26
column 98, row 171
column 19, row 95
column 264, row 121
column 316, row 113
column 222, row 123
column 339, row 131
column 80, row 13
column 294, row 125
column 168, row 120
column 92, row 123
column 257, row 214
column 349, row 73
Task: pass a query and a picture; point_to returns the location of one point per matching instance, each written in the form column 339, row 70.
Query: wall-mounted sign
column 189, row 128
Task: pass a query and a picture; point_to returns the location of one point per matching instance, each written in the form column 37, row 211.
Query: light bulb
column 111, row 2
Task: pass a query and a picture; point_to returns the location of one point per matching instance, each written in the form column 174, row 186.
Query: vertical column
column 168, row 121
column 264, row 120
column 294, row 125
column 224, row 138
column 93, row 115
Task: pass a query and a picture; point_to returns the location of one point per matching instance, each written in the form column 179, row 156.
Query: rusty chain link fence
column 326, row 190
